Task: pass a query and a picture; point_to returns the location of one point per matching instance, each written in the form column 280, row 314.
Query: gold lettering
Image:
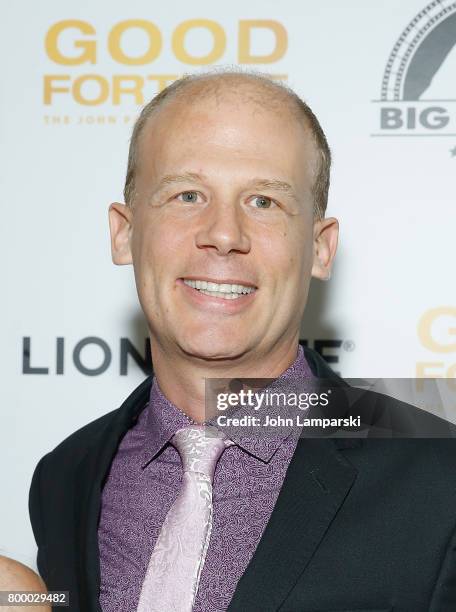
column 451, row 376
column 163, row 80
column 89, row 47
column 155, row 42
column 425, row 325
column 119, row 87
column 422, row 368
column 49, row 88
column 245, row 55
column 178, row 41
column 77, row 89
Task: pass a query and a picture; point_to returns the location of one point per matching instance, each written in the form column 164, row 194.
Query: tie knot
column 200, row 447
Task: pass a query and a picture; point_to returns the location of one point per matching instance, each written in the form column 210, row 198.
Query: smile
column 226, row 291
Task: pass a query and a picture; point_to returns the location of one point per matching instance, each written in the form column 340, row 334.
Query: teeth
column 220, row 294
column 223, row 290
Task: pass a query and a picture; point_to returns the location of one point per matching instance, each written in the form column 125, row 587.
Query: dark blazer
column 360, row 524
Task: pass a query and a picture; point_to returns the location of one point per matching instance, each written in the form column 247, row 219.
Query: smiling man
column 152, row 507
column 224, row 230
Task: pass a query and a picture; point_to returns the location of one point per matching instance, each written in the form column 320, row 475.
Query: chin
column 213, row 346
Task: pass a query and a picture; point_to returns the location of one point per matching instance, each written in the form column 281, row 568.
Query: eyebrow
column 276, row 185
column 170, row 179
column 264, row 183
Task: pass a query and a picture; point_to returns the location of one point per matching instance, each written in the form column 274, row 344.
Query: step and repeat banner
column 381, row 77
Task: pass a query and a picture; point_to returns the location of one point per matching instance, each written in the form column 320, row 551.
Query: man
column 16, row 577
column 224, row 224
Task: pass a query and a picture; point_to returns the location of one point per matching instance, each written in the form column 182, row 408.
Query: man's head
column 280, row 97
column 227, row 184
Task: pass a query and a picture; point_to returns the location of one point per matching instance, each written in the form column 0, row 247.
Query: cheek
column 301, row 245
column 291, row 253
column 155, row 242
column 159, row 250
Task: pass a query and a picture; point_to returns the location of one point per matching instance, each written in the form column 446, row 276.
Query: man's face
column 224, row 197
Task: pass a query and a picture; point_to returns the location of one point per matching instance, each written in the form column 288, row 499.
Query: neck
column 181, row 378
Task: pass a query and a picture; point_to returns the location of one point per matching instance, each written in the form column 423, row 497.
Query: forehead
column 256, row 123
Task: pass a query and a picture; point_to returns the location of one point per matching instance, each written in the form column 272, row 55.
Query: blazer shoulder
column 77, row 443
column 444, row 451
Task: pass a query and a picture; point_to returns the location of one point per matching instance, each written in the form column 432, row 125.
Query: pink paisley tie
column 174, row 569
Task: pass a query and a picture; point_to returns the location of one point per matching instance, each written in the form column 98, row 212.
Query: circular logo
column 423, row 60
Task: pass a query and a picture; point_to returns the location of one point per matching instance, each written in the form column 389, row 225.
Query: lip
column 209, row 302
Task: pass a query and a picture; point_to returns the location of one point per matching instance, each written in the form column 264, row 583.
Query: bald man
column 15, row 576
column 153, row 507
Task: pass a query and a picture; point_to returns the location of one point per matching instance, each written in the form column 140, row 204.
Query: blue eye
column 188, row 196
column 263, row 202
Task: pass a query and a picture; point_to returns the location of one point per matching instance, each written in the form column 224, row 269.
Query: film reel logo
column 418, row 92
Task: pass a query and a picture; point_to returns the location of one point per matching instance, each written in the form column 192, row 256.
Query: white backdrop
column 364, row 69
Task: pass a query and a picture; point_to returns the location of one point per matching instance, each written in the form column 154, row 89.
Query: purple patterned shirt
column 144, row 481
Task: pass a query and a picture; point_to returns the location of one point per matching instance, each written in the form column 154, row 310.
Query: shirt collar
column 163, row 419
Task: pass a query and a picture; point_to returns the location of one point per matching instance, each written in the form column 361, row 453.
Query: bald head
column 247, row 88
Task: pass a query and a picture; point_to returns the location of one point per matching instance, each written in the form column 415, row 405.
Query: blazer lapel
column 316, row 484
column 90, row 476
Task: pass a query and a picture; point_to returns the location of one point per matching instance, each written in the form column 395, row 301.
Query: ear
column 120, row 218
column 325, row 237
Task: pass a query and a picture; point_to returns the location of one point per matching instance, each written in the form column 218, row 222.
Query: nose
column 223, row 229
